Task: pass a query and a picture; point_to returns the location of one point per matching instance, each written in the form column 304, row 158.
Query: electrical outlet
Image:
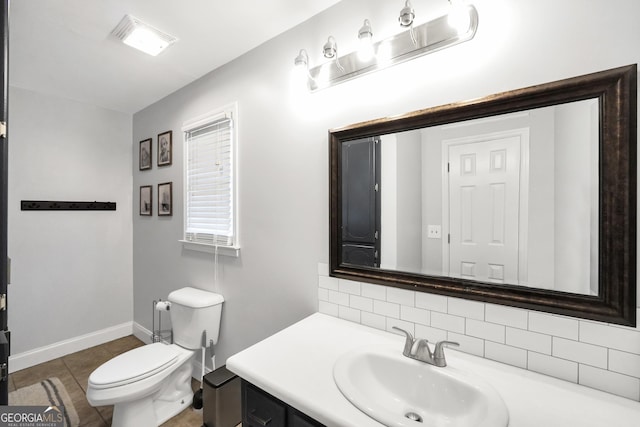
column 434, row 231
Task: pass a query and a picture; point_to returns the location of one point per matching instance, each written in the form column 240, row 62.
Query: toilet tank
column 192, row 311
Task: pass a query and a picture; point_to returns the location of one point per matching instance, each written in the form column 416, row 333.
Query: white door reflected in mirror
column 508, row 199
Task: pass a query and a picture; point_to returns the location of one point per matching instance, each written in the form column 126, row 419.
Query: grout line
column 75, row 402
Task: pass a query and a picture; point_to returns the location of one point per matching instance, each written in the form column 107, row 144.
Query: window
column 210, row 188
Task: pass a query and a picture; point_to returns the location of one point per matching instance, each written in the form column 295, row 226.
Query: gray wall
column 71, row 271
column 574, row 197
column 401, row 210
column 409, row 190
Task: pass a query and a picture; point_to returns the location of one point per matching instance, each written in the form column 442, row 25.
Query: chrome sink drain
column 413, row 417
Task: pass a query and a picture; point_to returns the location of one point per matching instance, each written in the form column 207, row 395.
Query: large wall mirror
column 525, row 198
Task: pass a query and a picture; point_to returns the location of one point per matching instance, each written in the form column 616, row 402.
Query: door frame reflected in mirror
column 616, row 91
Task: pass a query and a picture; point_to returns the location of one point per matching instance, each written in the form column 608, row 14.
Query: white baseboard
column 142, row 333
column 30, row 358
column 36, row 356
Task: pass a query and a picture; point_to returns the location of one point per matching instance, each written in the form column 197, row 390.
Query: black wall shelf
column 46, row 205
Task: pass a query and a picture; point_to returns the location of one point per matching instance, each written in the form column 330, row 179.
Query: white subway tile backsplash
column 514, row 317
column 447, row 322
column 595, row 354
column 349, row 287
column 528, row 340
column 401, row 296
column 608, row 381
column 624, row 363
column 552, row 366
column 387, row 309
column 338, row 298
column 487, row 331
column 553, row 325
column 468, row 344
column 328, row 308
column 431, row 302
column 505, row 354
column 466, row 308
column 407, row 326
column 348, row 313
column 416, row 315
column 373, row 291
column 361, row 303
column 618, row 338
column 326, row 282
column 587, row 354
column 373, row 320
column 432, row 334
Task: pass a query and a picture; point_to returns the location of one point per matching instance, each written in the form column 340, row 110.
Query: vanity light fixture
column 330, row 48
column 330, row 51
column 365, row 36
column 459, row 17
column 407, row 15
column 458, row 26
column 302, row 60
column 301, row 70
column 139, row 35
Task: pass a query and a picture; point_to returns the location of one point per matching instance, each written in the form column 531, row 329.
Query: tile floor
column 73, row 371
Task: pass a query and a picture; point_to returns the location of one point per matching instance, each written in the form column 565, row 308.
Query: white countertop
column 296, row 366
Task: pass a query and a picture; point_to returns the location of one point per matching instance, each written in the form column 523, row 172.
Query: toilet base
column 151, row 411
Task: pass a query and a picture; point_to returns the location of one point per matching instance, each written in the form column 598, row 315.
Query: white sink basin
column 390, row 388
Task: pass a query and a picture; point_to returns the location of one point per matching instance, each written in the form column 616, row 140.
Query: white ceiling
column 64, row 47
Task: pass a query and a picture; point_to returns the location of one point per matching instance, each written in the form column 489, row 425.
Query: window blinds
column 210, row 184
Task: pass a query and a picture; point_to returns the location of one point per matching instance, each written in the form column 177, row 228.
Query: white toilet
column 150, row 384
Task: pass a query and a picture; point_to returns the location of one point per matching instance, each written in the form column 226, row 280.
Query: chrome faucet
column 418, row 349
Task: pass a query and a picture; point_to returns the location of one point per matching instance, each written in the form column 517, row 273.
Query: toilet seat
column 134, row 365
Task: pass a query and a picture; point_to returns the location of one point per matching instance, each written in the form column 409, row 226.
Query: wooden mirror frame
column 616, row 91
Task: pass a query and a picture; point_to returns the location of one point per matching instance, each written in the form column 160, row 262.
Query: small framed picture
column 165, row 199
column 145, row 154
column 146, row 200
column 164, row 148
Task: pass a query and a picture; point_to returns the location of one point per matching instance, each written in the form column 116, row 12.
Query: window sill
column 201, row 247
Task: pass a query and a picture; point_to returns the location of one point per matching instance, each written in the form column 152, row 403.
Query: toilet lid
column 134, row 365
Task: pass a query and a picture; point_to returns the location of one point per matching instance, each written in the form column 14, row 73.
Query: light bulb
column 300, row 76
column 459, row 18
column 301, row 68
column 365, row 35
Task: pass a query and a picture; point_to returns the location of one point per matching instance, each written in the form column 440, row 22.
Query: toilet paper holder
column 159, row 335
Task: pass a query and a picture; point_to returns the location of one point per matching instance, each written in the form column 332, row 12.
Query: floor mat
column 50, row 392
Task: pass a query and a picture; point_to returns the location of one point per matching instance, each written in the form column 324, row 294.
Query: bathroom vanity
column 259, row 409
column 293, row 369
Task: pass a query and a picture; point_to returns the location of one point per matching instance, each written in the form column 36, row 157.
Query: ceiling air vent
column 137, row 34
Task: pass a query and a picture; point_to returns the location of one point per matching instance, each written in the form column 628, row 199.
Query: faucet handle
column 408, row 342
column 438, row 352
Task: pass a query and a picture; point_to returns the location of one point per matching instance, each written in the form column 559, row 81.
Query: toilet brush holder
column 197, row 396
column 158, row 335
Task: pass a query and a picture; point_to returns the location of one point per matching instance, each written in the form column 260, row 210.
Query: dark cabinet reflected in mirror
column 361, row 208
column 525, row 198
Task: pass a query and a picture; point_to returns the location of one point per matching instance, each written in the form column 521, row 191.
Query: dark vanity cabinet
column 260, row 409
